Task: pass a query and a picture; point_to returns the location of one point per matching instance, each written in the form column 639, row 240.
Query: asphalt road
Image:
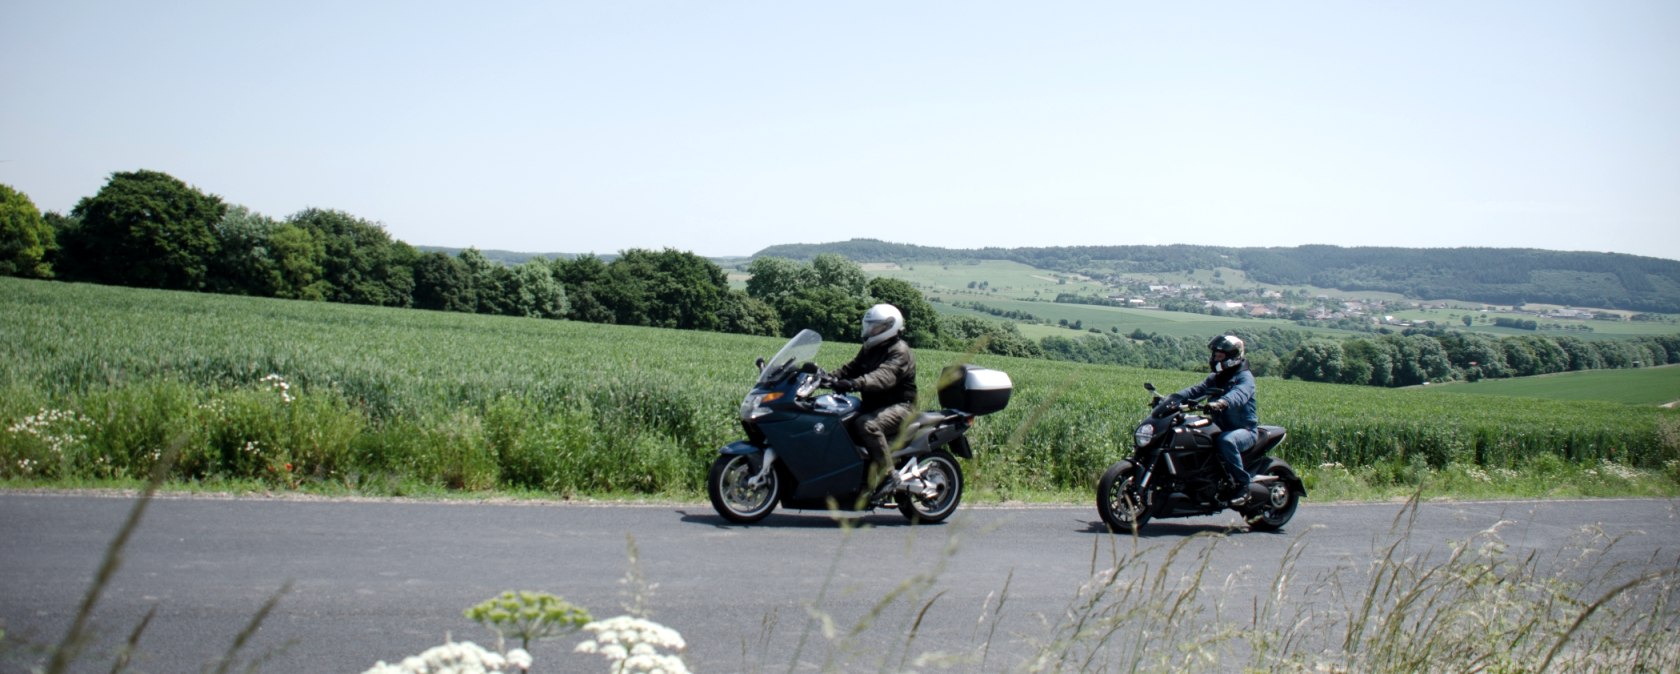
column 380, row 580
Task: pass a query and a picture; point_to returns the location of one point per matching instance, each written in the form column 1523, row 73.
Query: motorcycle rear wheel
column 946, row 477
column 1280, row 505
column 733, row 498
column 1118, row 501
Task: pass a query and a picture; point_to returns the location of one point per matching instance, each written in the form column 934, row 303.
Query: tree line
column 1433, row 356
column 149, row 229
column 1491, row 275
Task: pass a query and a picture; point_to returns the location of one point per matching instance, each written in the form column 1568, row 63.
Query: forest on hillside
column 1508, row 276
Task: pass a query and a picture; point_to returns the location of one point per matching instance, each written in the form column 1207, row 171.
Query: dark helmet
column 1231, row 346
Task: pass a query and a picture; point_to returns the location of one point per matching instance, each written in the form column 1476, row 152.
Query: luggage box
column 974, row 390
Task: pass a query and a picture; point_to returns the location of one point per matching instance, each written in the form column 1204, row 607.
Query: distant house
column 1578, row 314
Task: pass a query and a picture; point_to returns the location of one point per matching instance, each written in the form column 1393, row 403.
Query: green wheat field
column 101, row 383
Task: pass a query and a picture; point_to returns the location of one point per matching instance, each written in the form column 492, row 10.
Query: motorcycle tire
column 1118, row 502
column 946, row 477
column 732, row 498
column 1279, row 507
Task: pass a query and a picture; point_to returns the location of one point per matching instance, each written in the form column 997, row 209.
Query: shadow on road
column 809, row 519
column 1179, row 529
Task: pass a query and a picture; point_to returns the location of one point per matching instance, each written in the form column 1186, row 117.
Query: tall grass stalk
column 75, row 638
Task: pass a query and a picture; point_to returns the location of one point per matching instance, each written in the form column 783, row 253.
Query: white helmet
column 881, row 323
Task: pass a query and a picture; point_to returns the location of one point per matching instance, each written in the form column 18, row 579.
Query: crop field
column 102, row 381
column 1640, row 386
column 1001, row 279
column 1110, row 319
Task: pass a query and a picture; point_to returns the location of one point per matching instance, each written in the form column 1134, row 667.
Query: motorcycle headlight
column 1144, row 434
column 753, row 406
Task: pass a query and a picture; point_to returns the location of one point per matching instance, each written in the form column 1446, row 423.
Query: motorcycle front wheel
column 946, row 478
column 1118, row 500
column 733, row 498
column 1279, row 505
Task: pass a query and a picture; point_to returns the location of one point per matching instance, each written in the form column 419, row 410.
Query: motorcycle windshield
column 798, row 351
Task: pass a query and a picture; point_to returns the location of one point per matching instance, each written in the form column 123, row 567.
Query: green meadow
column 1638, row 386
column 100, row 383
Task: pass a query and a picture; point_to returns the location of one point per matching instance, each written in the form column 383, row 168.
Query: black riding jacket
column 885, row 374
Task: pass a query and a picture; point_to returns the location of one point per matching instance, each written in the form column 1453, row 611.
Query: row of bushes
column 271, row 434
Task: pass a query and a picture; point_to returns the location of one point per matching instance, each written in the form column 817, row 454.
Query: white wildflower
column 519, row 658
column 1617, row 470
column 278, row 383
column 633, row 645
column 59, row 429
column 463, row 657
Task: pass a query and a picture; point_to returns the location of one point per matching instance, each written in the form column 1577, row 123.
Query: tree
column 1581, row 354
column 744, row 314
column 244, row 264
column 442, row 283
column 483, row 277
column 827, row 310
column 26, row 240
column 298, row 253
column 145, row 229
column 838, row 272
column 1366, row 362
column 974, row 334
column 531, row 290
column 362, row 264
column 1477, row 355
column 1548, row 357
column 582, row 277
column 667, row 289
column 921, row 323
column 1418, row 359
column 772, row 278
column 1315, row 361
column 1519, row 358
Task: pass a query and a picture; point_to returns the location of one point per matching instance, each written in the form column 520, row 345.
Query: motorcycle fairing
column 817, row 447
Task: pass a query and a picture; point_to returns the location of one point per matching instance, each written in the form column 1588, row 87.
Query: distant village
column 1323, row 308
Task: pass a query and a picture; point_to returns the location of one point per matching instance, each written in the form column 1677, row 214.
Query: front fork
column 763, row 474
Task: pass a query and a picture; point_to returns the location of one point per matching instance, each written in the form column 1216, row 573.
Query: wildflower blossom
column 463, row 657
column 1617, row 470
column 633, row 645
column 278, row 383
column 58, row 429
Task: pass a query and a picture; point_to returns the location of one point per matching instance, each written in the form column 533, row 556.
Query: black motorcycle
column 798, row 452
column 1175, row 471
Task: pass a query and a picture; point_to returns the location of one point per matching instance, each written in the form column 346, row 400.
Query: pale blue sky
column 723, row 127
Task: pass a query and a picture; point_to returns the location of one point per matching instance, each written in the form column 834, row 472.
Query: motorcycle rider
column 1235, row 410
column 884, row 372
